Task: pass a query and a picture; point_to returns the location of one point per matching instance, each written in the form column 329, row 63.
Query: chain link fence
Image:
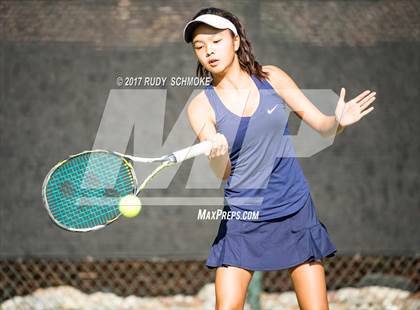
column 161, row 277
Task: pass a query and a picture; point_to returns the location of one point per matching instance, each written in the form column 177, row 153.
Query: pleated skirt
column 275, row 244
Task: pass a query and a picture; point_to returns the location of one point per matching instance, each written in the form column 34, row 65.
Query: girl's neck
column 233, row 78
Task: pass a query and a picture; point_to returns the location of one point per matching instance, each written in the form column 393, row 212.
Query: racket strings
column 97, row 181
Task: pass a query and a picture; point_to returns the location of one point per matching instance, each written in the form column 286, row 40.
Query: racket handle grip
column 192, row 151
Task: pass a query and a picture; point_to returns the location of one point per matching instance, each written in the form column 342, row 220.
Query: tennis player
column 249, row 133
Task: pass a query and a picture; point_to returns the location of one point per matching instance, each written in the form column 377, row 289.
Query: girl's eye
column 217, row 41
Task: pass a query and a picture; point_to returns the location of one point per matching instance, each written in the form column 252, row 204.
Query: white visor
column 215, row 21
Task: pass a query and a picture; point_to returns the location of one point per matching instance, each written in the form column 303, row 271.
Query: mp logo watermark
column 140, row 114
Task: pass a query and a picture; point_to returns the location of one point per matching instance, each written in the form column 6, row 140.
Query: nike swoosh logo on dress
column 271, row 111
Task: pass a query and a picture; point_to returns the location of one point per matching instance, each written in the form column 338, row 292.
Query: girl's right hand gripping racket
column 82, row 193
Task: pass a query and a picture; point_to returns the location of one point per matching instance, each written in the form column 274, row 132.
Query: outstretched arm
column 346, row 113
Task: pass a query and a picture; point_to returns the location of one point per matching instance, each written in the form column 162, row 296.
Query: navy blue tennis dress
column 266, row 178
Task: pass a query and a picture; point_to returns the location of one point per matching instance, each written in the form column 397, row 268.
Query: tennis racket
column 82, row 192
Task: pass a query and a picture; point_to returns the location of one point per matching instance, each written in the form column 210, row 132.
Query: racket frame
column 126, row 161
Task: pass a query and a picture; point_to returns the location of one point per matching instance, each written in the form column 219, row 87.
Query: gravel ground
column 69, row 298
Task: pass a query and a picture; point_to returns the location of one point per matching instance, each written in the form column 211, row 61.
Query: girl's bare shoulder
column 274, row 72
column 278, row 78
column 200, row 106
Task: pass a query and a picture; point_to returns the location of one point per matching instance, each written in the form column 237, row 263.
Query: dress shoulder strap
column 263, row 83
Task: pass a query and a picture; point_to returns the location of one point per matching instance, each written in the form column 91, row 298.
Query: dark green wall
column 59, row 60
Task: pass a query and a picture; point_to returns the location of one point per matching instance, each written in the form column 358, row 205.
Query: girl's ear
column 236, row 42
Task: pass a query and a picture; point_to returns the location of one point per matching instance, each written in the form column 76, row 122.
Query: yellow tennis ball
column 130, row 206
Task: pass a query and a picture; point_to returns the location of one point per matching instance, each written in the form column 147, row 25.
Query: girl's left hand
column 350, row 112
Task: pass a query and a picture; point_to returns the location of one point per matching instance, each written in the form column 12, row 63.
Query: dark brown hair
column 246, row 58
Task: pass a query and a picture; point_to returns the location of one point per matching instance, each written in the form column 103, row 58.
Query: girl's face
column 214, row 48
